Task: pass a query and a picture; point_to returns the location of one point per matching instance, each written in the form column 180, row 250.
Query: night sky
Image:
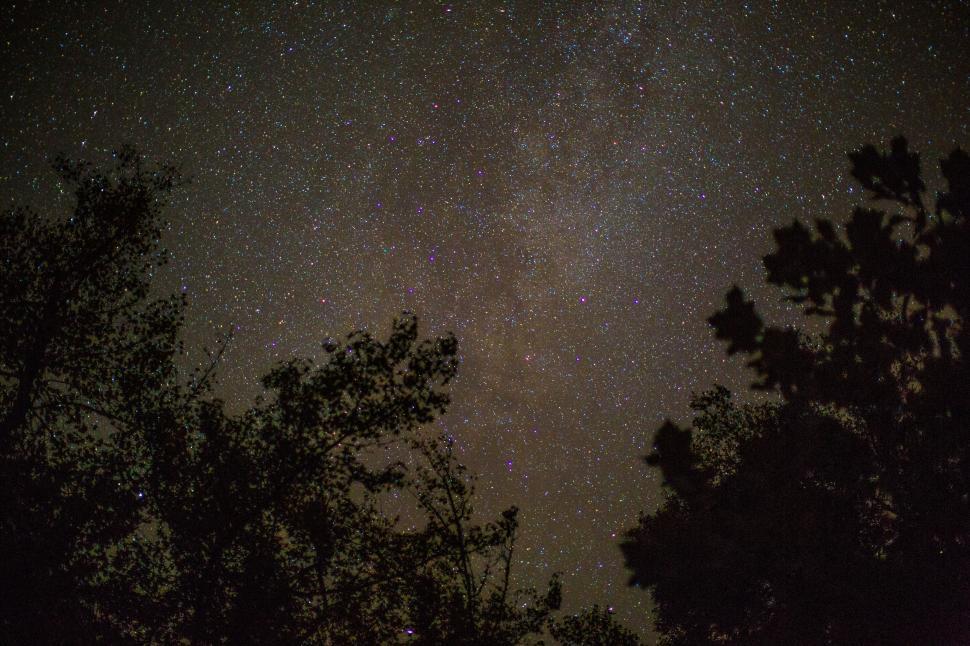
column 571, row 188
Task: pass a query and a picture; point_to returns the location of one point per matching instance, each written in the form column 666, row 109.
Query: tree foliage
column 592, row 627
column 135, row 508
column 85, row 354
column 466, row 596
column 839, row 514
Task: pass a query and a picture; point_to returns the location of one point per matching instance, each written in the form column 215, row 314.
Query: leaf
column 738, row 324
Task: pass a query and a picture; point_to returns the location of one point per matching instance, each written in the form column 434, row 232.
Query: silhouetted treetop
column 136, row 509
column 841, row 513
column 85, row 357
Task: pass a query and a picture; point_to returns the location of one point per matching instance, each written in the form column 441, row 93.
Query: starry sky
column 569, row 187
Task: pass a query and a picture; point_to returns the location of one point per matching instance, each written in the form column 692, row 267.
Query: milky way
column 570, row 188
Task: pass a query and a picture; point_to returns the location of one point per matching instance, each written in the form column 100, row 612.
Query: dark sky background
column 569, row 187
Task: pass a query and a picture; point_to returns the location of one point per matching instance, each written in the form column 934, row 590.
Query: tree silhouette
column 84, row 355
column 134, row 508
column 272, row 530
column 592, row 627
column 466, row 596
column 839, row 514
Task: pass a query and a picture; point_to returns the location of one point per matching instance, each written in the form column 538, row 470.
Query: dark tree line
column 135, row 509
column 840, row 513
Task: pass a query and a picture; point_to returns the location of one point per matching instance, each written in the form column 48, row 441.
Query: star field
column 569, row 187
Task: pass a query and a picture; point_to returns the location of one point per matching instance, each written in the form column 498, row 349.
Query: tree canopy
column 134, row 508
column 839, row 513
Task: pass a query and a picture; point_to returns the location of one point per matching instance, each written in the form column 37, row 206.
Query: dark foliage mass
column 841, row 513
column 135, row 509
